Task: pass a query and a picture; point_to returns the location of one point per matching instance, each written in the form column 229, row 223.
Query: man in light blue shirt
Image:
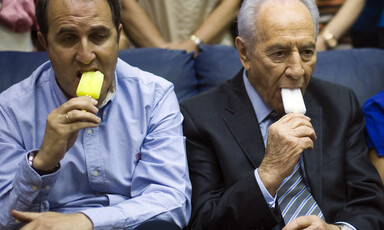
column 255, row 165
column 117, row 165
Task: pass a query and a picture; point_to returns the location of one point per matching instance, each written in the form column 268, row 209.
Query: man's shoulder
column 325, row 83
column 325, row 88
column 133, row 82
column 25, row 89
column 332, row 98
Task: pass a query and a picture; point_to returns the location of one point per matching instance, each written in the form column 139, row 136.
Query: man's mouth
column 80, row 73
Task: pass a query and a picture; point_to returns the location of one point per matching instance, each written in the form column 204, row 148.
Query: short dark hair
column 42, row 20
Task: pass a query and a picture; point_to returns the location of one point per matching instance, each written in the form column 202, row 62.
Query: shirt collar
column 260, row 108
column 61, row 97
column 110, row 94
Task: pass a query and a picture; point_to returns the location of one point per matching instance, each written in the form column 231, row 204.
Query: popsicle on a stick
column 90, row 84
column 293, row 101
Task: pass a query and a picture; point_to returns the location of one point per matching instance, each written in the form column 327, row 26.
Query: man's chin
column 278, row 108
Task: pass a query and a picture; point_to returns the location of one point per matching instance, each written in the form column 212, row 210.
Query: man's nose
column 85, row 53
column 294, row 66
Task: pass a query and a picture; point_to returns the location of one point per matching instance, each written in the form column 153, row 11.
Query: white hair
column 246, row 23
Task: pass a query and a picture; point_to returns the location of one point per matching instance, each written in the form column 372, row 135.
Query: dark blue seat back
column 359, row 69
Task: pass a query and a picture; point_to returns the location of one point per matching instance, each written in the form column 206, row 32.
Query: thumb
column 25, row 216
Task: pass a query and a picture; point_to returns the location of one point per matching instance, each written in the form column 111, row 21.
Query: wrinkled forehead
column 56, row 6
column 78, row 12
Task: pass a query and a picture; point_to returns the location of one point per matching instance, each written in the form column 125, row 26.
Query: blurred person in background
column 336, row 18
column 373, row 109
column 17, row 20
column 381, row 30
column 368, row 30
column 179, row 24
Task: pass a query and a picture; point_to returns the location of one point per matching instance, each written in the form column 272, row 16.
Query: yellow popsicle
column 90, row 84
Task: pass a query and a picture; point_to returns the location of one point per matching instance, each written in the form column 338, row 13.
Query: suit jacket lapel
column 313, row 158
column 242, row 119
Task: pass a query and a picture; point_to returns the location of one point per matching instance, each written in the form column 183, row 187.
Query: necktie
column 293, row 195
column 268, row 121
column 295, row 199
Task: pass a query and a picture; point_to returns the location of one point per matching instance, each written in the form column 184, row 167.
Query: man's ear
column 243, row 52
column 42, row 40
column 119, row 31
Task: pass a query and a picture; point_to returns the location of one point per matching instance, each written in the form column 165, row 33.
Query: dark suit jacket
column 224, row 146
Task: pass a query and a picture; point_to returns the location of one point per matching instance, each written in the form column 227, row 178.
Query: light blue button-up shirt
column 129, row 169
column 262, row 111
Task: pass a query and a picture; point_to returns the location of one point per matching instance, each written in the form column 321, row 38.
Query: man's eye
column 99, row 37
column 278, row 56
column 68, row 39
column 308, row 53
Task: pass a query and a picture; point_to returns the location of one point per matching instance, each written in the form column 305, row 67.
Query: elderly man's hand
column 309, row 222
column 53, row 220
column 287, row 139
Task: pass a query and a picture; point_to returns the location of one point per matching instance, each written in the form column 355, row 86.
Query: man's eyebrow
column 310, row 45
column 278, row 47
column 73, row 30
column 100, row 28
column 65, row 30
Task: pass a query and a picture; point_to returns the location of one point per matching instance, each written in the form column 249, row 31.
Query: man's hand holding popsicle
column 287, row 139
column 64, row 122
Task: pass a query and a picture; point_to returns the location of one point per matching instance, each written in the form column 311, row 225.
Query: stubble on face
column 81, row 37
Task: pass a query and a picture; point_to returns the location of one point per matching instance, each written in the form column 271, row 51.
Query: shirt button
column 105, row 114
column 34, row 188
column 95, row 173
column 89, row 131
column 47, row 187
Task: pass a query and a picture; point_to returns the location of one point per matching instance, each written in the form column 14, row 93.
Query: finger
column 305, row 131
column 298, row 223
column 67, row 119
column 25, row 216
column 80, row 116
column 299, row 122
column 79, row 103
column 90, row 104
column 289, row 125
column 306, row 222
column 306, row 143
column 293, row 116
